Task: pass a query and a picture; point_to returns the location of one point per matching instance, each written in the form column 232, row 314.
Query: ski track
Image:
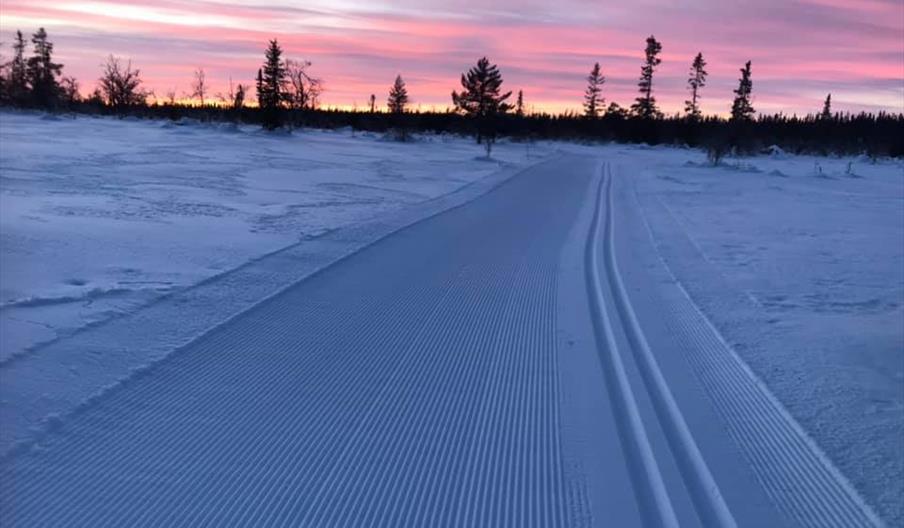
column 794, row 472
column 797, row 477
column 649, row 484
column 650, row 488
column 416, row 383
column 704, row 491
column 424, row 395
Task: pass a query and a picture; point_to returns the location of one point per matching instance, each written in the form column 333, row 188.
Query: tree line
column 287, row 94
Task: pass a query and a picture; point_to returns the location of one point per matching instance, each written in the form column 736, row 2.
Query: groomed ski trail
column 412, row 384
column 418, row 382
column 791, row 468
column 802, row 484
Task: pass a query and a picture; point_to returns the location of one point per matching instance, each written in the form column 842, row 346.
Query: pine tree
column 827, row 108
column 42, row 72
column 398, row 96
column 742, row 109
column 481, row 95
column 482, row 100
column 17, row 82
column 593, row 100
column 373, row 103
column 519, row 104
column 271, row 87
column 645, row 105
column 696, row 81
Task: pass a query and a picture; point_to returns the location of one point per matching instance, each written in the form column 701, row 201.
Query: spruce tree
column 373, row 103
column 398, row 96
column 42, row 72
column 696, row 81
column 593, row 100
column 742, row 108
column 645, row 105
column 826, row 108
column 17, row 83
column 519, row 104
column 259, row 85
column 271, row 87
column 482, row 100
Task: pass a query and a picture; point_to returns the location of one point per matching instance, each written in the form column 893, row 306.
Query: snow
column 796, row 261
column 100, row 216
column 799, row 262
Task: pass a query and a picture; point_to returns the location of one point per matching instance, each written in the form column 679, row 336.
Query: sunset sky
column 801, row 49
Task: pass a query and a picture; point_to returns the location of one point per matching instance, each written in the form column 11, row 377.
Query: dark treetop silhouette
column 287, row 94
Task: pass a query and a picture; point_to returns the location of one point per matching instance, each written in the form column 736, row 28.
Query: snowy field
column 797, row 261
column 100, row 216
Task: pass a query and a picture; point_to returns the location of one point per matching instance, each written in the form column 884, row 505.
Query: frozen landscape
column 104, row 215
column 205, row 324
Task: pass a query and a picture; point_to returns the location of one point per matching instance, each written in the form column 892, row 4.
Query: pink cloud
column 800, row 49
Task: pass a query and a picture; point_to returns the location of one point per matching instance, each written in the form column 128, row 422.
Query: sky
column 800, row 49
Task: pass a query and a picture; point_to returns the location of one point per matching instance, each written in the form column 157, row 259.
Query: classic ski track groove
column 649, row 486
column 703, row 489
column 438, row 408
column 795, row 473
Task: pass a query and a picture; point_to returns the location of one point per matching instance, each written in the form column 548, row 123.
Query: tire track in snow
column 412, row 384
column 796, row 475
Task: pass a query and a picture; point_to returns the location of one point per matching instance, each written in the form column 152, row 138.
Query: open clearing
column 208, row 326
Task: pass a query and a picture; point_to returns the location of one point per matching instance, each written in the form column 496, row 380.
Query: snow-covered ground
column 100, row 216
column 799, row 261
